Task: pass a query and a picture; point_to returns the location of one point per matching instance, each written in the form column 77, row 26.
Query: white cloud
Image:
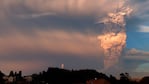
column 135, row 54
column 143, row 28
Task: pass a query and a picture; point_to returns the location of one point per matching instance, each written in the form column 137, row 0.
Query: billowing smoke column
column 113, row 39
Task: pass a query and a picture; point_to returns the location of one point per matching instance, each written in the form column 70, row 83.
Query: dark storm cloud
column 25, row 15
column 56, row 22
column 78, row 14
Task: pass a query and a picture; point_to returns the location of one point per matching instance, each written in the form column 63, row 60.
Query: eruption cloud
column 113, row 38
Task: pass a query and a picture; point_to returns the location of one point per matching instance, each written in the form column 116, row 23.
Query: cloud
column 143, row 68
column 143, row 29
column 35, row 15
column 139, row 15
column 141, row 9
column 30, row 13
column 40, row 49
column 138, row 55
column 94, row 8
column 54, row 30
column 26, row 66
column 134, row 58
column 27, row 8
column 138, row 58
column 50, row 41
column 72, row 7
column 133, row 52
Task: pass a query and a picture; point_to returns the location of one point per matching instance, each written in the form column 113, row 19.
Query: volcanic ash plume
column 113, row 39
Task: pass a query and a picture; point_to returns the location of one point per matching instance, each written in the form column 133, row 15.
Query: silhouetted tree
column 11, row 73
column 62, row 76
column 112, row 80
column 144, row 80
column 1, row 77
column 124, row 78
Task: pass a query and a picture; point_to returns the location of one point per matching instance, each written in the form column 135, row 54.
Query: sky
column 37, row 34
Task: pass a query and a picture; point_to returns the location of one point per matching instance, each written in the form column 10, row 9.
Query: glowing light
column 62, row 66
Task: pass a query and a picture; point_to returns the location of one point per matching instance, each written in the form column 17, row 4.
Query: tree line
column 63, row 76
